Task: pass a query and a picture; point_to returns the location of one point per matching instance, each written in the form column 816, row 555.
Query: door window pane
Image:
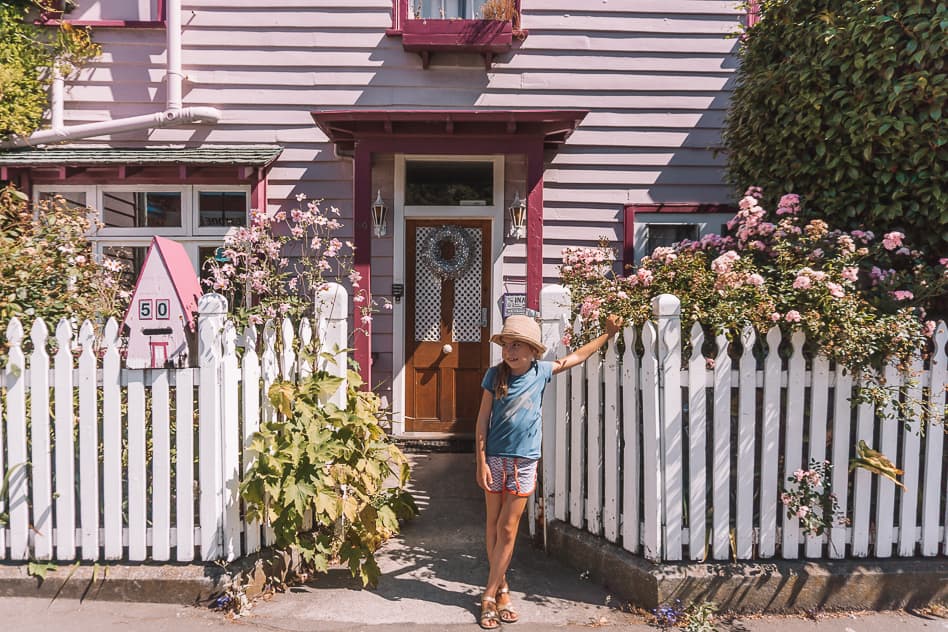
column 139, row 209
column 668, row 234
column 449, row 183
column 222, row 208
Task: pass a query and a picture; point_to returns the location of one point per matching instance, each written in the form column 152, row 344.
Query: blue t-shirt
column 515, row 421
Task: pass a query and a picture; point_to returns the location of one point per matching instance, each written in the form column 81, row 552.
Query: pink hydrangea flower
column 850, row 274
column 793, row 316
column 835, row 290
column 802, row 283
column 755, row 279
column 892, row 240
column 902, row 295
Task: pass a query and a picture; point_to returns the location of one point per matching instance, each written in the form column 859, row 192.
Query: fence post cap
column 212, row 303
column 554, row 301
column 666, row 305
column 332, row 301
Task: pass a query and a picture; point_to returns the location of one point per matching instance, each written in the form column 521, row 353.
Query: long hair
column 501, row 380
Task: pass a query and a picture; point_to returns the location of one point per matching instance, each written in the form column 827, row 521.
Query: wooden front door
column 447, row 338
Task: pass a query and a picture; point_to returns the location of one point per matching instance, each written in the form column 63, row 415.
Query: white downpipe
column 174, row 76
column 57, row 100
column 174, row 113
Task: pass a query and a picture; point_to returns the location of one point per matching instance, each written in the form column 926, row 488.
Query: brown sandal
column 506, row 612
column 489, row 620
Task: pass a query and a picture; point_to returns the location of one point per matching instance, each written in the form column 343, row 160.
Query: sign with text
column 512, row 303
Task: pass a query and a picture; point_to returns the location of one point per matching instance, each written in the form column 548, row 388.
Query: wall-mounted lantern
column 518, row 217
column 379, row 227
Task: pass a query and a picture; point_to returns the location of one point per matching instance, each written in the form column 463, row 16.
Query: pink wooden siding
column 654, row 74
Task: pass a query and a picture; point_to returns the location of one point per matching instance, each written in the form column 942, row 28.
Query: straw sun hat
column 522, row 328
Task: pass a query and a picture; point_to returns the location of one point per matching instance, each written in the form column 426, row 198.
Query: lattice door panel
column 466, row 319
column 427, row 293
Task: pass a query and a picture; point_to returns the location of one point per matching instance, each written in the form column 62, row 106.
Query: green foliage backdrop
column 28, row 52
column 842, row 102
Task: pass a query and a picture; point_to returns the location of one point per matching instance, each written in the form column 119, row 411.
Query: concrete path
column 432, row 576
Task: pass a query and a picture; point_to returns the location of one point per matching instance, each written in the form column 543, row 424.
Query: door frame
column 494, row 212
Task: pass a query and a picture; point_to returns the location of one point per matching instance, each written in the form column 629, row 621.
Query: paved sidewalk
column 432, row 575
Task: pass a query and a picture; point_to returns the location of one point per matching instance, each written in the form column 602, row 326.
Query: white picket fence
column 136, row 463
column 675, row 460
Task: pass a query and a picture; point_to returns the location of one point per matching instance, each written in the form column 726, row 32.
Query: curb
column 778, row 587
column 147, row 582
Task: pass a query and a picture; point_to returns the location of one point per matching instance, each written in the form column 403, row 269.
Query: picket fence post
column 17, row 457
column 666, row 309
column 212, row 310
column 65, row 446
column 332, row 329
column 554, row 315
column 40, row 465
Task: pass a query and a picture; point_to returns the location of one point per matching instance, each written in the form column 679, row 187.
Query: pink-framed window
column 753, row 12
column 108, row 13
column 431, row 26
column 404, row 11
column 647, row 226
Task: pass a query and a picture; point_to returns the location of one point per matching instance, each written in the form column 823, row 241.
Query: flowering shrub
column 811, row 500
column 860, row 299
column 48, row 268
column 258, row 278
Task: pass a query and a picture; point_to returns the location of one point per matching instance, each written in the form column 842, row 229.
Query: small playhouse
column 161, row 318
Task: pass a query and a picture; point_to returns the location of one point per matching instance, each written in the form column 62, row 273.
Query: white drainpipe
column 174, row 113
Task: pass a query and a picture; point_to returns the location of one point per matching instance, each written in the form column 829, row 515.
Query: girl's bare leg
column 504, row 537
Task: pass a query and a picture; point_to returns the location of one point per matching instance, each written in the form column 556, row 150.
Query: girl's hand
column 483, row 476
column 613, row 324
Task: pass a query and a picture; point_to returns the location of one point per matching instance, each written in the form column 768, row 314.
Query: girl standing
column 508, row 444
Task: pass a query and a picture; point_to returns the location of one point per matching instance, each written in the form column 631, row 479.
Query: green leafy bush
column 28, row 53
column 334, row 462
column 48, row 268
column 842, row 102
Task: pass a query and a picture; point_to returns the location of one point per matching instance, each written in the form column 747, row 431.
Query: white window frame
column 177, row 231
column 189, row 235
column 494, row 212
column 707, row 223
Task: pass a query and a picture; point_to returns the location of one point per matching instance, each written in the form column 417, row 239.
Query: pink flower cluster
column 587, row 262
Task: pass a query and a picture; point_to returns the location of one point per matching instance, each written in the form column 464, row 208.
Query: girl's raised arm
column 613, row 324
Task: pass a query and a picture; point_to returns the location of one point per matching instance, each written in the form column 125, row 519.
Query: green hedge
column 842, row 102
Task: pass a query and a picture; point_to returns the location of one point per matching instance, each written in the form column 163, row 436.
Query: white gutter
column 174, row 113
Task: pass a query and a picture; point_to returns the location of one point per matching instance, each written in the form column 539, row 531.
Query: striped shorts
column 512, row 474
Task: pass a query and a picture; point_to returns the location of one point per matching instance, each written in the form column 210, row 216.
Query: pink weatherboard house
column 430, row 127
column 161, row 316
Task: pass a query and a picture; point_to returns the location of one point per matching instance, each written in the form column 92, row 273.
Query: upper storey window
column 108, row 13
column 447, row 9
column 487, row 27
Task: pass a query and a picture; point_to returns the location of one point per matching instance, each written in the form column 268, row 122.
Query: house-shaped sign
column 161, row 315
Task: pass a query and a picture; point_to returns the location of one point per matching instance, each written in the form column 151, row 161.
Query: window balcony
column 458, row 31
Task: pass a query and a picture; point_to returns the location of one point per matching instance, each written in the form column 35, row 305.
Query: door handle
column 446, row 349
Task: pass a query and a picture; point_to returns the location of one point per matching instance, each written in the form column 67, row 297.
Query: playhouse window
column 196, row 216
column 222, row 208
column 132, row 259
column 142, row 209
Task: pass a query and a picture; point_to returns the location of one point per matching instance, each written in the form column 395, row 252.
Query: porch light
column 379, row 228
column 518, row 217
